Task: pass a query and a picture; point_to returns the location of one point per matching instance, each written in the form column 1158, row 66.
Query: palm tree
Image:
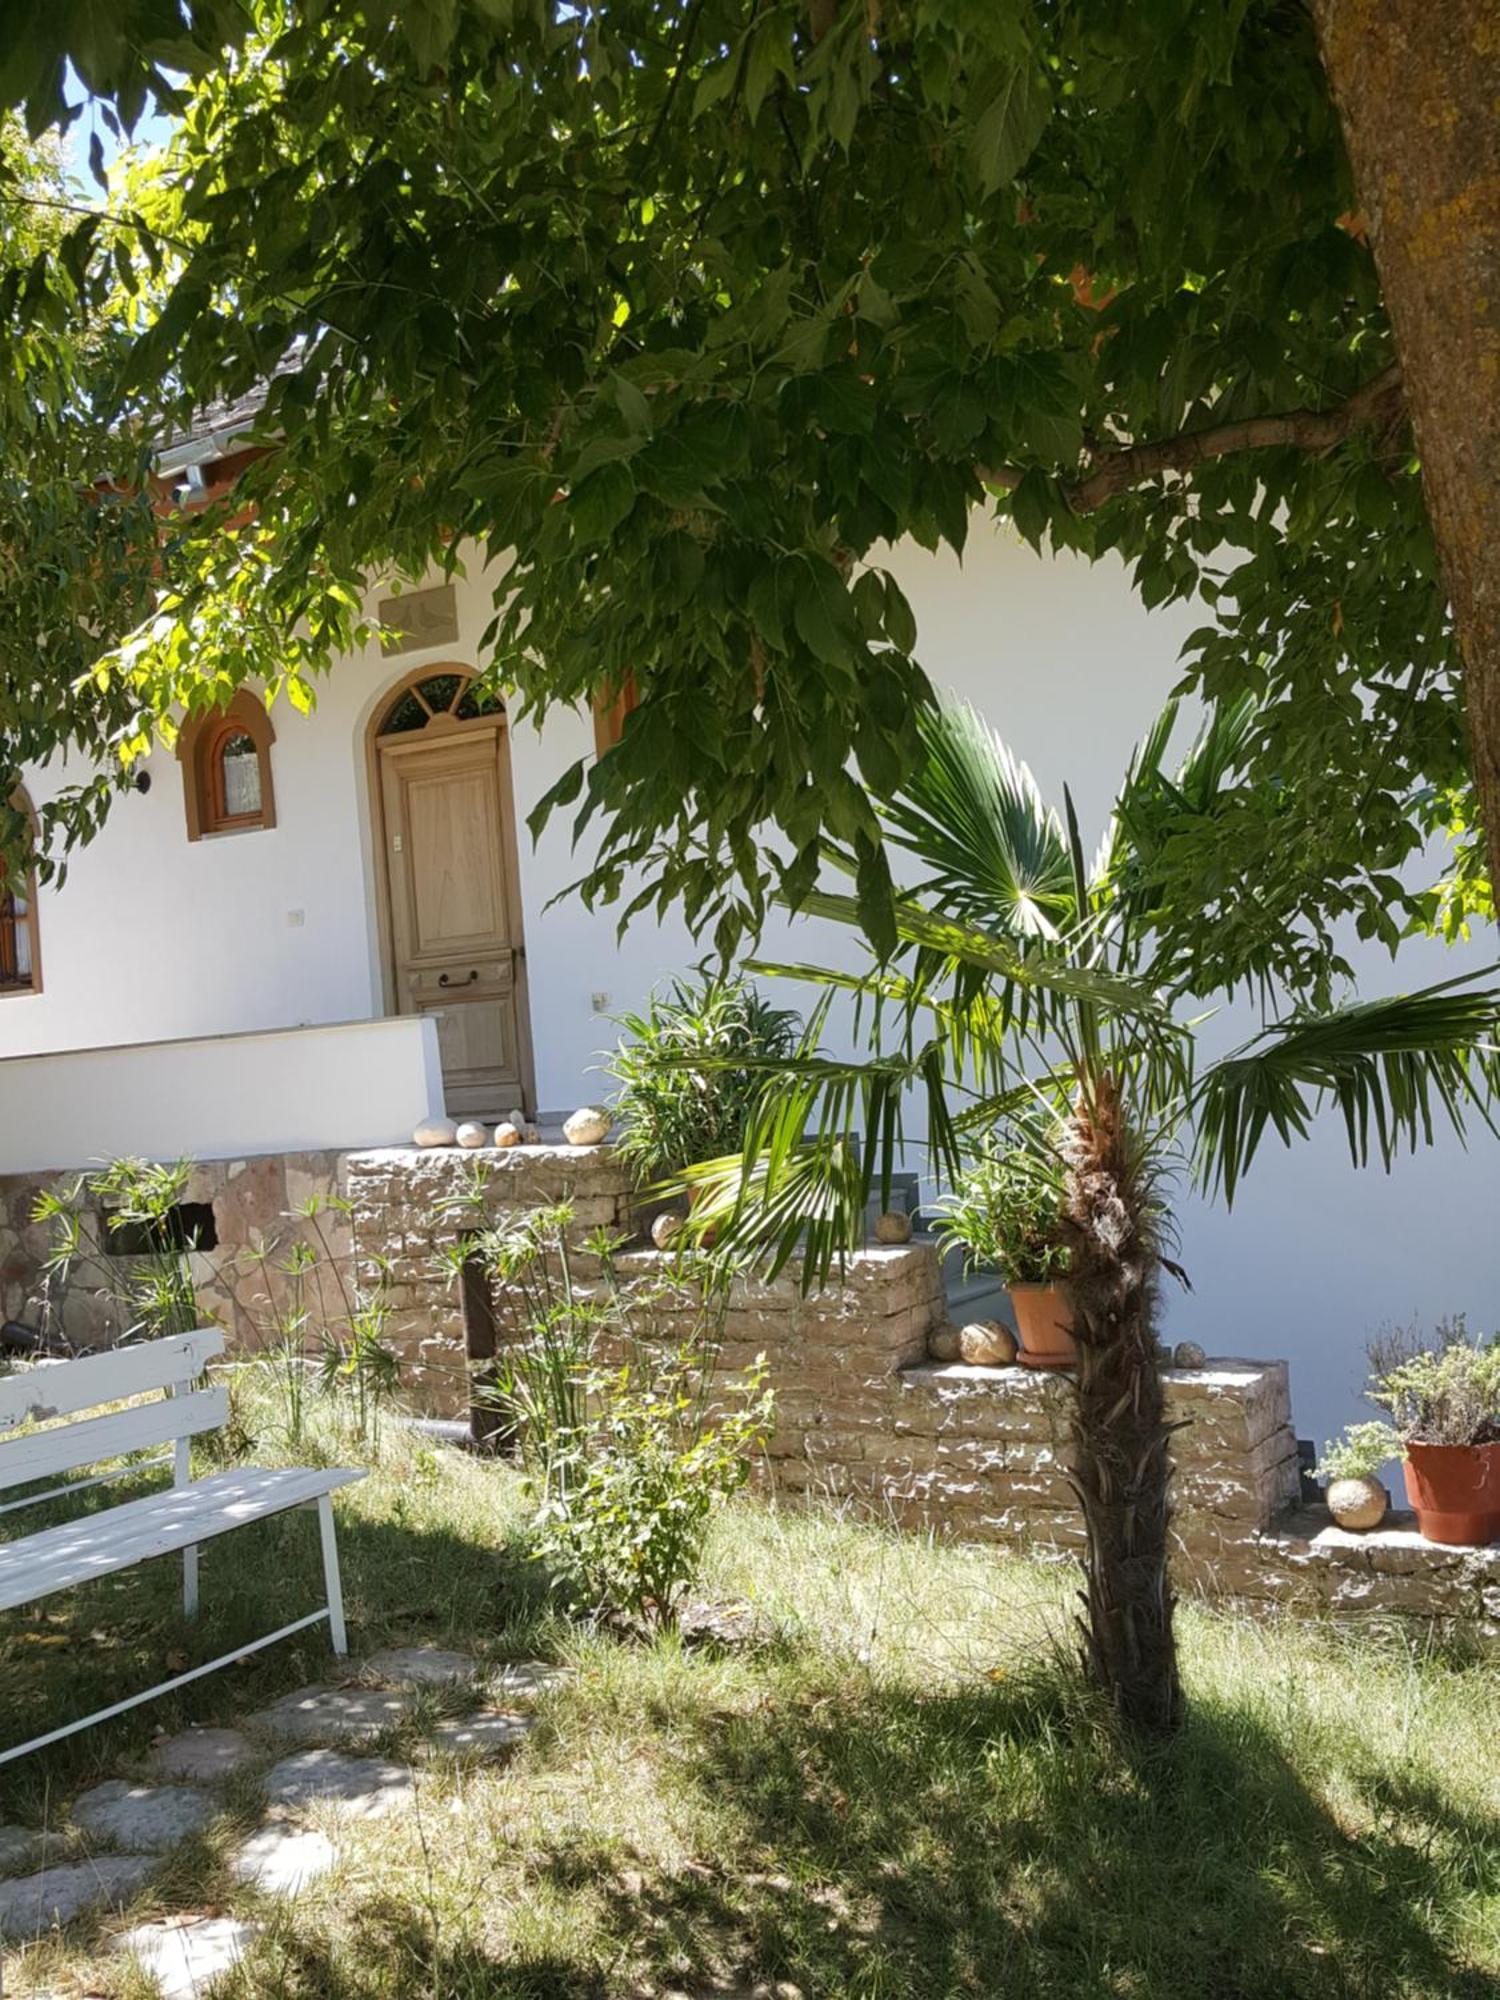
column 1025, row 985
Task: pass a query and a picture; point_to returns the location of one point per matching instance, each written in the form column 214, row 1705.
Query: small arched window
column 20, row 953
column 226, row 768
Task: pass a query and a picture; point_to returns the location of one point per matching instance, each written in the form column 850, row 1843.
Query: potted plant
column 690, row 1071
column 1356, row 1498
column 1443, row 1396
column 1006, row 1210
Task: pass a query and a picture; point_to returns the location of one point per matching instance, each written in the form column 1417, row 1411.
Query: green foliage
column 318, row 1321
column 625, row 1434
column 1024, row 983
column 149, row 1293
column 539, row 1380
column 691, row 1069
column 1443, row 1388
column 669, row 315
column 1359, row 1452
column 625, row 1529
column 1006, row 1211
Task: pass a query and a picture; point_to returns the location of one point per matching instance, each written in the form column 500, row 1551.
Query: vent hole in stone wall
column 187, row 1226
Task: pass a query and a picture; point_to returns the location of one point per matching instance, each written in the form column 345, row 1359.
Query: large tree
column 694, row 304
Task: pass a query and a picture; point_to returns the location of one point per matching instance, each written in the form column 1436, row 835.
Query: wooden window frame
column 200, row 745
column 610, row 712
column 13, row 989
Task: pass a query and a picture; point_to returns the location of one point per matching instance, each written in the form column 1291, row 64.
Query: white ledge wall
column 293, row 1090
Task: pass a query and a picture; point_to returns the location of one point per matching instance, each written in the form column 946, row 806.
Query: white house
column 244, row 960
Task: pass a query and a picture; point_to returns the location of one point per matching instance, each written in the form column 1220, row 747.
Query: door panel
column 454, row 914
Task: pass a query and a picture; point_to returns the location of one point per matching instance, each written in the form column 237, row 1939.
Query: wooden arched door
column 452, row 887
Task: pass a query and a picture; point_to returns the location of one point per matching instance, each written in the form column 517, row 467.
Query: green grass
column 903, row 1793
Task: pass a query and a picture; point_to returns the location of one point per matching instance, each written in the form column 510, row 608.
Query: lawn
column 898, row 1793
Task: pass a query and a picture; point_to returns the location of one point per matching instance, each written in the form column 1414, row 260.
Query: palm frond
column 973, row 815
column 824, row 1134
column 1395, row 1068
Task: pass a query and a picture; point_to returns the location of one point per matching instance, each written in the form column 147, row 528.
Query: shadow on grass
column 85, row 1648
column 997, row 1843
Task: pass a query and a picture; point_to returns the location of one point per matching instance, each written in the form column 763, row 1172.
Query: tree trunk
column 1120, row 1463
column 1417, row 84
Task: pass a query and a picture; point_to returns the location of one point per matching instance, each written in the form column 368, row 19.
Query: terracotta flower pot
column 1044, row 1320
column 1455, row 1489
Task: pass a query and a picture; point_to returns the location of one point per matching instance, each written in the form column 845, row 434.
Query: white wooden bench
column 166, row 1523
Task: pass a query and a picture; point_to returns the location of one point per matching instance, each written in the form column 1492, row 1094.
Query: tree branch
column 1377, row 405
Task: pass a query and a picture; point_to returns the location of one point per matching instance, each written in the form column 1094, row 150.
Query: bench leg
column 332, row 1584
column 182, row 1475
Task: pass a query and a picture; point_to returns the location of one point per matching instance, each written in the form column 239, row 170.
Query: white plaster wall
column 299, row 1090
column 152, row 937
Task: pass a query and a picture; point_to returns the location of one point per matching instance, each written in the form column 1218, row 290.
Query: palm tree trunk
column 1120, row 1463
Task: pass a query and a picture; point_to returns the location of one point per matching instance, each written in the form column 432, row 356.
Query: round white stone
column 507, row 1135
column 471, row 1134
column 665, row 1227
column 588, row 1126
column 435, row 1132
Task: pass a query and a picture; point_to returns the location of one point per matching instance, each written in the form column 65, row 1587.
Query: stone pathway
column 323, row 1727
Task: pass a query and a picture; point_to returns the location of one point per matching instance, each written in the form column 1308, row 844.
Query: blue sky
column 152, row 129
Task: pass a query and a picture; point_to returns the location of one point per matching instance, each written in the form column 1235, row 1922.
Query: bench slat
column 66, row 1386
column 98, row 1545
column 68, row 1446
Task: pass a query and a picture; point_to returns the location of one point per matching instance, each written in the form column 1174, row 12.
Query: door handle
column 444, row 980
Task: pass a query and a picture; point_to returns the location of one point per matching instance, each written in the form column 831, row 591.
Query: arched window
column 439, row 697
column 20, row 954
column 226, row 768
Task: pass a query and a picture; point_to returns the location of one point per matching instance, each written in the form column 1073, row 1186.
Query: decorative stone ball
column 507, row 1135
column 666, row 1226
column 533, row 1135
column 435, row 1132
column 588, row 1126
column 1188, row 1354
column 1359, row 1504
column 942, row 1341
column 893, row 1227
column 985, row 1343
column 471, row 1133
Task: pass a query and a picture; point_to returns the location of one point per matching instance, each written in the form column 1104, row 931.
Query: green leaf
column 601, row 502
column 824, row 614
column 1006, row 130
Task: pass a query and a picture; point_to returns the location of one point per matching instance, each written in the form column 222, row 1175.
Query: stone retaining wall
column 862, row 1414
column 254, row 1203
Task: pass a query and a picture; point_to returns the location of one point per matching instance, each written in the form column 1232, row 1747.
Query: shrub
column 691, row 1069
column 148, row 1288
column 1442, row 1388
column 626, row 1530
column 629, row 1442
column 1360, row 1452
column 539, row 1378
column 1007, row 1211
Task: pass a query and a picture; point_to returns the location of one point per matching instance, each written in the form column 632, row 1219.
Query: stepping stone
column 201, row 1756
column 333, row 1715
column 421, row 1666
column 523, row 1680
column 184, row 1958
column 485, row 1734
column 34, row 1903
column 365, row 1786
column 17, row 1845
column 143, row 1819
column 282, row 1859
